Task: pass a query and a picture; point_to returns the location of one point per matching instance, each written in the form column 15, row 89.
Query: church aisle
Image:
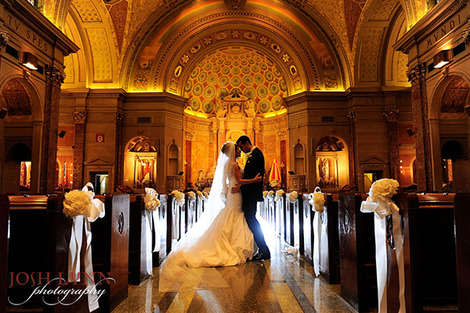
column 283, row 284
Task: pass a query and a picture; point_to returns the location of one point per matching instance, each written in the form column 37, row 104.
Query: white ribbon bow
column 317, row 227
column 79, row 223
column 151, row 219
column 382, row 207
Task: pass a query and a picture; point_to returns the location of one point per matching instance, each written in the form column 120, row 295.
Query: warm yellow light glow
column 276, row 113
column 193, row 113
column 441, row 64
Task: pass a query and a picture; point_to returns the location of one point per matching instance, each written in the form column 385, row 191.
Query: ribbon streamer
column 381, row 210
column 79, row 223
column 317, row 225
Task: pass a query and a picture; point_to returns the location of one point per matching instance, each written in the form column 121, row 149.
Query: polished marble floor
column 283, row 284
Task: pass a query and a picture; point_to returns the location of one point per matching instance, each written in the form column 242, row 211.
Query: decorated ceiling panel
column 235, row 69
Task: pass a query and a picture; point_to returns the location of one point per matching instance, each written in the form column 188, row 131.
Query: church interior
column 133, row 95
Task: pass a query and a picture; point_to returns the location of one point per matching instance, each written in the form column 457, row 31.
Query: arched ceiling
column 325, row 40
column 166, row 52
column 253, row 74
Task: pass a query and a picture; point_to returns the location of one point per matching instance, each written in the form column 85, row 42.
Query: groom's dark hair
column 243, row 139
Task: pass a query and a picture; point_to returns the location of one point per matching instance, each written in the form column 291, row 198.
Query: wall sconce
column 30, row 61
column 441, row 59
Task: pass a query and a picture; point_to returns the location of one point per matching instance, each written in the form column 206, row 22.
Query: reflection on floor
column 283, row 284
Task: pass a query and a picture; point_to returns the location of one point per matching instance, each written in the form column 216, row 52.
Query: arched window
column 173, row 160
column 299, row 161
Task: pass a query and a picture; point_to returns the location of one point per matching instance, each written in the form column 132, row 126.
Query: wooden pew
column 280, row 207
column 329, row 260
column 110, row 246
column 296, row 227
column 38, row 242
column 462, row 232
column 307, row 227
column 137, row 240
column 4, row 252
column 434, row 250
column 272, row 212
column 357, row 253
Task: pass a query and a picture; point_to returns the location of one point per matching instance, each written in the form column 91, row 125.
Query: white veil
column 216, row 203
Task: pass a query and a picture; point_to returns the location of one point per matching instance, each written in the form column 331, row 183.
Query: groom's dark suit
column 251, row 194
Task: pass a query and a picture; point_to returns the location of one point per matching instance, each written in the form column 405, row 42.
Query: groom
column 252, row 193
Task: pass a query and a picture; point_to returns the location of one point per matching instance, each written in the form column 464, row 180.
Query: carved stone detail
column 416, row 73
column 352, row 116
column 79, row 117
column 55, row 76
column 3, row 39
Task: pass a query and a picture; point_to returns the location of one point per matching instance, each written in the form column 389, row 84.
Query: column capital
column 79, row 117
column 55, row 76
column 417, row 72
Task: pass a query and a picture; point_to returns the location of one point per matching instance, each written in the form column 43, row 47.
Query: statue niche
column 140, row 165
column 329, row 153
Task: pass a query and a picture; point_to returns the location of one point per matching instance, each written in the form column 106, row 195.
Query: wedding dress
column 221, row 237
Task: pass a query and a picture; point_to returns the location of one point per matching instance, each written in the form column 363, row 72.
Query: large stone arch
column 97, row 65
column 158, row 45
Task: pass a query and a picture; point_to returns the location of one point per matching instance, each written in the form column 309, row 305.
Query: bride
column 221, row 236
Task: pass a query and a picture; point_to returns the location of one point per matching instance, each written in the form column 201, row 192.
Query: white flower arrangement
column 274, row 183
column 279, row 194
column 380, row 197
column 77, row 203
column 317, row 200
column 191, row 195
column 383, row 189
column 271, row 193
column 265, row 194
column 206, row 194
column 293, row 196
column 179, row 197
column 200, row 194
column 151, row 199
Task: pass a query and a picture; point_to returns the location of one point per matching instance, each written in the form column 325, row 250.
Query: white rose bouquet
column 380, row 197
column 77, row 203
column 179, row 196
column 279, row 194
column 293, row 196
column 317, row 200
column 151, row 199
column 191, row 195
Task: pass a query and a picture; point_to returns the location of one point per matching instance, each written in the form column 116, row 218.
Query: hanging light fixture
column 30, row 61
column 441, row 59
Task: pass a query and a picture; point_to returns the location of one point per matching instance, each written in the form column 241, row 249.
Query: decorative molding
column 235, row 4
column 79, row 117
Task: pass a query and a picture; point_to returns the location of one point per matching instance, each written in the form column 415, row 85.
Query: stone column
column 54, row 79
column 416, row 76
column 3, row 43
column 79, row 119
column 353, row 168
column 391, row 117
column 119, row 167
